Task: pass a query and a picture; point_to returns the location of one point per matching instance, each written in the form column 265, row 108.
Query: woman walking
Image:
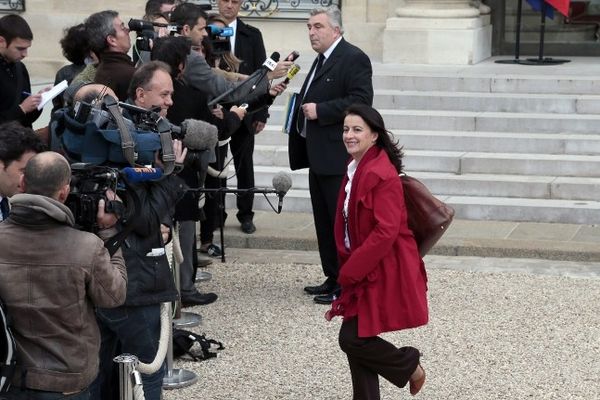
column 382, row 276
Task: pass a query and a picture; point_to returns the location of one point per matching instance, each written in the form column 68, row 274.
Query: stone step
column 514, row 79
column 458, row 162
column 554, row 33
column 529, row 164
column 472, row 184
column 472, row 207
column 480, row 121
column 573, row 34
column 494, row 102
column 474, row 101
column 504, row 142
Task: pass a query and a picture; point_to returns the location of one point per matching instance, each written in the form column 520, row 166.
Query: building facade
column 392, row 31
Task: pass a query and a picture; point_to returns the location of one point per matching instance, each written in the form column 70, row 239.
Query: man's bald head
column 47, row 174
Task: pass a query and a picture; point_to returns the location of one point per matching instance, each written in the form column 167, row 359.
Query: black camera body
column 219, row 38
column 146, row 34
column 89, row 184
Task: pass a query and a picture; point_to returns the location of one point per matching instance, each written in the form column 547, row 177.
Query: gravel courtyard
column 492, row 335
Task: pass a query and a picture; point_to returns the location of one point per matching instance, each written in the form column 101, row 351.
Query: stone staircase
column 495, row 142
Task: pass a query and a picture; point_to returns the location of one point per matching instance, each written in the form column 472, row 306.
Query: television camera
column 146, row 33
column 106, row 150
column 219, row 38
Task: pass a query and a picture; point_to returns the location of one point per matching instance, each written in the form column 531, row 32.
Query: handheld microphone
column 269, row 65
column 282, row 182
column 292, row 56
column 139, row 175
column 271, row 62
column 291, row 73
column 199, row 135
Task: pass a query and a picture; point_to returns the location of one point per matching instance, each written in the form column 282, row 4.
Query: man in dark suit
column 341, row 75
column 247, row 45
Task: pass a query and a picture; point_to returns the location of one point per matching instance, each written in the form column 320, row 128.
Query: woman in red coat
column 382, row 276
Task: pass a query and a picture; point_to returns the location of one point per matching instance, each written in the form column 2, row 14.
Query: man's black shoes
column 324, row 293
column 326, row 298
column 324, row 288
column 248, row 227
column 198, row 299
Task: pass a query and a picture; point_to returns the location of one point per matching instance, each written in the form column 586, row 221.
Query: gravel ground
column 491, row 336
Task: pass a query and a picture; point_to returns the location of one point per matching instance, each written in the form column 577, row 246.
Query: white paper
column 52, row 93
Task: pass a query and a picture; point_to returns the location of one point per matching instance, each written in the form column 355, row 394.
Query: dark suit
column 250, row 48
column 344, row 79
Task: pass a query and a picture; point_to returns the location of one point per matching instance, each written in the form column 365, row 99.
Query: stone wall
column 48, row 18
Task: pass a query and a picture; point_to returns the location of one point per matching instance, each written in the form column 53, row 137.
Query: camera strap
column 127, row 143
column 166, row 141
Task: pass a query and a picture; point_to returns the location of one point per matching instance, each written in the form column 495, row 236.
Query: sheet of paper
column 52, row 93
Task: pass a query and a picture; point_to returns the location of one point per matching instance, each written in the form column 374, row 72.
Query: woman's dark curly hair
column 75, row 44
column 385, row 139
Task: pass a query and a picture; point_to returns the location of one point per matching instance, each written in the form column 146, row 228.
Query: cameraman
column 109, row 39
column 52, row 278
column 136, row 325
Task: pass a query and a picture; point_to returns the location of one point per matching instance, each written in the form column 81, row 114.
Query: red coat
column 383, row 278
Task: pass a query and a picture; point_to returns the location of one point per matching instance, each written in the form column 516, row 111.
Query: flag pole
column 541, row 60
column 517, row 37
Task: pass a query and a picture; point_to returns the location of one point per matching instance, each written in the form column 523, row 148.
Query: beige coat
column 51, row 278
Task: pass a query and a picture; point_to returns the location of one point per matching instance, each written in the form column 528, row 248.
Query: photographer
column 136, row 325
column 69, row 272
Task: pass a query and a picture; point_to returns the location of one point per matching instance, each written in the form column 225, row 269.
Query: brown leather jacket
column 51, row 277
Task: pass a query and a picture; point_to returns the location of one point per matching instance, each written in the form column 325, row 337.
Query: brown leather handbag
column 428, row 217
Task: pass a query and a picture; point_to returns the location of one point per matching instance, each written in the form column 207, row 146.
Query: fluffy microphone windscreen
column 282, row 182
column 199, row 135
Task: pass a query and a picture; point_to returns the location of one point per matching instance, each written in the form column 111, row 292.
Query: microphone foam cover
column 199, row 135
column 282, row 182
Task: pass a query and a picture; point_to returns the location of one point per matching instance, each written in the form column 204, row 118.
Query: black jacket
column 250, row 48
column 149, row 277
column 345, row 78
column 191, row 103
column 14, row 82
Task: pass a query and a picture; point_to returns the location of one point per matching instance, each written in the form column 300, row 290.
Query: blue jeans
column 136, row 330
column 15, row 393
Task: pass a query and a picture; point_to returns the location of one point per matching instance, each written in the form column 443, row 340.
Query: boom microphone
column 139, row 175
column 282, row 182
column 199, row 135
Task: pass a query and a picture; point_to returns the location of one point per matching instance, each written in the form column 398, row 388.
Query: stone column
column 437, row 32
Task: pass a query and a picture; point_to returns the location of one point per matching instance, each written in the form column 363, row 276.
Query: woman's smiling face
column 358, row 136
